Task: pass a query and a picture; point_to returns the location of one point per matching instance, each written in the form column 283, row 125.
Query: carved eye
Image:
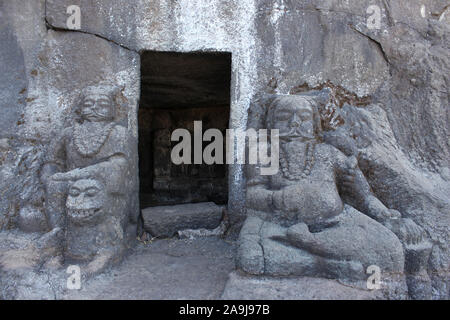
column 283, row 116
column 91, row 192
column 88, row 103
column 103, row 106
column 103, row 103
column 74, row 192
column 305, row 116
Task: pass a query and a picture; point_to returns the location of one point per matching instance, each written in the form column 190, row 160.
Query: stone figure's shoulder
column 328, row 150
column 119, row 134
column 119, row 138
column 331, row 153
column 119, row 130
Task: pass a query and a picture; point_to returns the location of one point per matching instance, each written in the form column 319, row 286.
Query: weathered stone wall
column 22, row 39
column 277, row 47
column 402, row 65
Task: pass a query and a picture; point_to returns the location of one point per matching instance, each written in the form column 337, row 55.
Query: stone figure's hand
column 72, row 175
column 406, row 230
column 291, row 198
column 52, row 240
column 97, row 265
column 393, row 214
column 60, row 176
column 351, row 163
column 348, row 177
column 277, row 199
column 415, row 233
column 378, row 211
column 348, row 181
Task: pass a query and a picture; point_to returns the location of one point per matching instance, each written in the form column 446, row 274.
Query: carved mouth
column 83, row 214
column 296, row 136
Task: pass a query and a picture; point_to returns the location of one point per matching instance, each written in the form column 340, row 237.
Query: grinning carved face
column 293, row 117
column 85, row 201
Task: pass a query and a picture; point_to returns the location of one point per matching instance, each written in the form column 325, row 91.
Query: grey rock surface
column 163, row 269
column 244, row 287
column 389, row 103
column 23, row 252
column 166, row 221
column 198, row 233
column 421, row 196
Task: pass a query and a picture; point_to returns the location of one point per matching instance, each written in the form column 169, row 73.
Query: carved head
column 97, row 103
column 295, row 117
column 86, row 201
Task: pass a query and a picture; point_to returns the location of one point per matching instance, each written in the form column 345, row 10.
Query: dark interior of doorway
column 176, row 90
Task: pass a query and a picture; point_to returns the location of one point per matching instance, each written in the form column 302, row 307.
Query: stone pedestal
column 165, row 221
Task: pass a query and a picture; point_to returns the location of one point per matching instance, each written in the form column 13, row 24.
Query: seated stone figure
column 89, row 162
column 297, row 222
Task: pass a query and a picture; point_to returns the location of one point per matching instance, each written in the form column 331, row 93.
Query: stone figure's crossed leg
column 355, row 238
column 264, row 249
column 282, row 257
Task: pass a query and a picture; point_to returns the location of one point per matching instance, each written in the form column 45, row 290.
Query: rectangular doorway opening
column 176, row 90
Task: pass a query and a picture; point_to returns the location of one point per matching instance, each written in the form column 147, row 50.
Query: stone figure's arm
column 356, row 190
column 359, row 194
column 113, row 169
column 108, row 169
column 262, row 199
column 55, row 158
column 259, row 196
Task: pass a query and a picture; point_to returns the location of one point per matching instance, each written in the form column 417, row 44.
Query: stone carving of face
column 294, row 118
column 97, row 107
column 85, row 201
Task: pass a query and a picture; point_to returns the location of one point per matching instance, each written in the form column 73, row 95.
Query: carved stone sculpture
column 86, row 180
column 317, row 216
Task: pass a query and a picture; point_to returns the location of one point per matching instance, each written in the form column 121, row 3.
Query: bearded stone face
column 85, row 202
column 97, row 107
column 294, row 118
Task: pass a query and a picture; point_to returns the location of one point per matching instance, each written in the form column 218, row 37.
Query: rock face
column 165, row 221
column 378, row 71
column 244, row 287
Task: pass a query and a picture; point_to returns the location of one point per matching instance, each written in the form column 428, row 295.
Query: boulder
column 165, row 221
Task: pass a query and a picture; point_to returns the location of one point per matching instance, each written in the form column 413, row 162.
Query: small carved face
column 97, row 107
column 85, row 201
column 294, row 118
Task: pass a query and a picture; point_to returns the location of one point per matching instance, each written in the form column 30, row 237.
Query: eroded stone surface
column 244, row 287
column 390, row 89
column 163, row 269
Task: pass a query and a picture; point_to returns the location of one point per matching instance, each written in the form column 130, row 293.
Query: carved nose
column 295, row 121
column 79, row 199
